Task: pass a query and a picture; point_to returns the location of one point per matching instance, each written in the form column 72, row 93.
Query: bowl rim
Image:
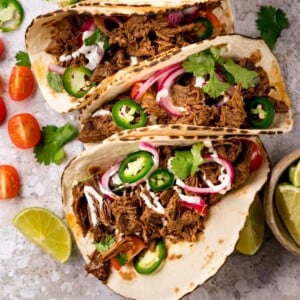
column 270, row 214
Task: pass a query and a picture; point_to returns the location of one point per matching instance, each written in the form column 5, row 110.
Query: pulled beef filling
column 129, row 215
column 139, row 36
column 203, row 111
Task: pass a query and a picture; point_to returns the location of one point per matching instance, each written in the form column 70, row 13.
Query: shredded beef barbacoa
column 129, row 215
column 139, row 36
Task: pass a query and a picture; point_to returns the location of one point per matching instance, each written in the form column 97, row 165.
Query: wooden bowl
column 272, row 217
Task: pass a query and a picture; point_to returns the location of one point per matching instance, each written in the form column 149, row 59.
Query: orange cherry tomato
column 138, row 246
column 21, row 83
column 24, row 130
column 135, row 89
column 2, row 111
column 9, row 182
column 214, row 20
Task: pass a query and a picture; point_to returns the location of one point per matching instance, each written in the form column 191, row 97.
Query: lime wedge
column 46, row 230
column 294, row 174
column 287, row 199
column 252, row 235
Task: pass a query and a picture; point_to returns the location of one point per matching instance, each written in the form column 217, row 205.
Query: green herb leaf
column 181, row 164
column 197, row 157
column 55, row 82
column 186, row 162
column 122, row 259
column 105, row 244
column 22, row 59
column 50, row 148
column 95, row 38
column 214, row 87
column 270, row 22
column 248, row 78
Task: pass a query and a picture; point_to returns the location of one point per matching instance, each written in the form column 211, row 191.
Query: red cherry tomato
column 21, row 83
column 135, row 89
column 214, row 20
column 2, row 111
column 24, row 130
column 2, row 49
column 9, row 182
column 256, row 157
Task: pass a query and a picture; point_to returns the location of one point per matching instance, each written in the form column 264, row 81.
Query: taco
column 227, row 85
column 144, row 211
column 84, row 46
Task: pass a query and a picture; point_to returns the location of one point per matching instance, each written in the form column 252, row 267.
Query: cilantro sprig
column 270, row 22
column 22, row 59
column 50, row 148
column 105, row 244
column 205, row 64
column 186, row 162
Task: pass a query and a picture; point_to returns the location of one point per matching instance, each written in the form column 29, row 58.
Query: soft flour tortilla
column 39, row 34
column 188, row 264
column 236, row 47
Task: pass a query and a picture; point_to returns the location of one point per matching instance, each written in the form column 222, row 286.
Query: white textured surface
column 27, row 273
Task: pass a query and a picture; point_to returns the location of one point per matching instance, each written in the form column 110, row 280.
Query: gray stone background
column 27, row 273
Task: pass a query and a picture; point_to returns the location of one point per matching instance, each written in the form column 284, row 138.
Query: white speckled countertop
column 28, row 273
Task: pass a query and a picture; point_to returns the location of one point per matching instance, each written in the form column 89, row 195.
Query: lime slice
column 287, row 199
column 46, row 230
column 252, row 235
column 294, row 174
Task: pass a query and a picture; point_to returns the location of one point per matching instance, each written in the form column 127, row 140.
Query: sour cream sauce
column 93, row 53
column 91, row 194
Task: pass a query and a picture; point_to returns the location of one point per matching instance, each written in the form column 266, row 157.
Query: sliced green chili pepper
column 76, row 81
column 148, row 261
column 11, row 15
column 261, row 112
column 160, row 179
column 135, row 166
column 208, row 31
column 128, row 114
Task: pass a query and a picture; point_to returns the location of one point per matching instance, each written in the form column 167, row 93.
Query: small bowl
column 272, row 218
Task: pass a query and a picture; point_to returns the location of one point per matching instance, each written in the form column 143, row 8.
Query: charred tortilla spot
column 176, row 127
column 192, row 128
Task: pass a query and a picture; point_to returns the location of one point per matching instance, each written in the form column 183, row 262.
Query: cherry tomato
column 135, row 89
column 21, row 83
column 2, row 111
column 256, row 157
column 2, row 49
column 24, row 130
column 214, row 20
column 9, row 182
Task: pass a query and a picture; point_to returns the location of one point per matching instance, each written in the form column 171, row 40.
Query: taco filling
column 206, row 89
column 106, row 44
column 154, row 195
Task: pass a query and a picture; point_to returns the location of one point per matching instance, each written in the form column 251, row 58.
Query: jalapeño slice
column 160, row 179
column 261, row 112
column 149, row 261
column 76, row 81
column 11, row 15
column 128, row 114
column 207, row 30
column 135, row 166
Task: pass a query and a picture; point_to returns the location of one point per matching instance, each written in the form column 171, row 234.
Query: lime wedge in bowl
column 287, row 199
column 46, row 230
column 252, row 235
column 294, row 174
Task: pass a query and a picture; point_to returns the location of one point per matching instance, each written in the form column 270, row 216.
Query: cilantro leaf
column 185, row 162
column 214, row 87
column 50, row 148
column 55, row 82
column 270, row 22
column 105, row 244
column 248, row 78
column 200, row 64
column 122, row 259
column 22, row 59
column 197, row 157
column 182, row 163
